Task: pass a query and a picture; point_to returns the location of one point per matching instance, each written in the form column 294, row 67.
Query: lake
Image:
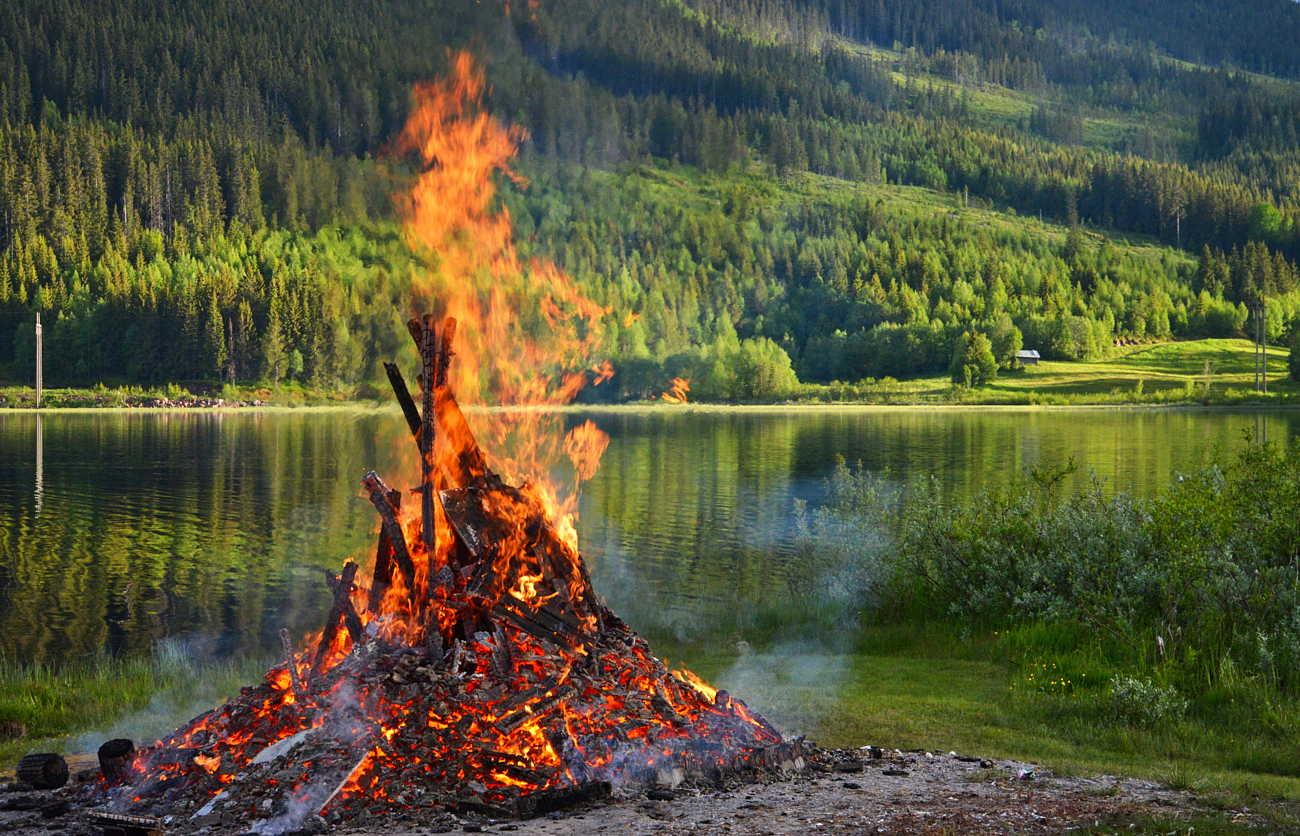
column 122, row 528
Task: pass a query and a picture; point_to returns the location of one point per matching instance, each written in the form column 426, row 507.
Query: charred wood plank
column 379, row 493
column 342, row 597
column 383, row 575
column 117, row 824
column 540, row 631
column 546, row 615
column 404, row 399
column 541, row 802
column 518, row 719
column 287, row 644
column 351, row 620
column 442, row 372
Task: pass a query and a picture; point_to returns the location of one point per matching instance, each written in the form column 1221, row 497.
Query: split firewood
column 342, row 599
column 383, row 575
column 356, row 630
column 379, row 493
column 287, row 643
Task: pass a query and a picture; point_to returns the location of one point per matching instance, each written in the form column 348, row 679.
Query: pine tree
column 273, row 353
column 214, row 341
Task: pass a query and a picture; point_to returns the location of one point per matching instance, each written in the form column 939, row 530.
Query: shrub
column 1140, row 702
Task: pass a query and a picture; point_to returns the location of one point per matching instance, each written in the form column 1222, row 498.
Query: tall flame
column 523, row 327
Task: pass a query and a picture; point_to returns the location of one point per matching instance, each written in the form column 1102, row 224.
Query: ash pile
column 476, row 673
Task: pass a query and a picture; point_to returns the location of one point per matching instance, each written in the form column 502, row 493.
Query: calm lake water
column 118, row 529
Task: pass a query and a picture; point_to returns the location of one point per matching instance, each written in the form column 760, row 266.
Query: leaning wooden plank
column 342, row 597
column 404, row 399
column 466, row 462
column 382, row 578
column 379, row 493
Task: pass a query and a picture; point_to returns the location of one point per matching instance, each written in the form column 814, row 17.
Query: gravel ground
column 838, row 792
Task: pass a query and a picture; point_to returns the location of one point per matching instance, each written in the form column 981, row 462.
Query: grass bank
column 1198, row 372
column 181, row 396
column 74, row 707
column 1206, row 372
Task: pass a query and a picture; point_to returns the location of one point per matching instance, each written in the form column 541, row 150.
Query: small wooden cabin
column 1027, row 358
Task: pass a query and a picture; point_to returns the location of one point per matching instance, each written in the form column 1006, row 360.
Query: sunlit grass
column 76, row 706
column 943, row 687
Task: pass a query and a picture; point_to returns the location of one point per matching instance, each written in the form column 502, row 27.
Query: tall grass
column 75, row 706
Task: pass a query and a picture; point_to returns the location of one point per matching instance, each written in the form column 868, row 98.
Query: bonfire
column 476, row 670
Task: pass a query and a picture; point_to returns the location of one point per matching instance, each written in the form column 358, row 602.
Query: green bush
column 1140, row 702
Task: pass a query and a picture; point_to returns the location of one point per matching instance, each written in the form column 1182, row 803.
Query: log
column 540, row 631
column 115, row 759
column 442, row 374
column 383, row 575
column 342, row 597
column 549, row 801
column 379, row 493
column 47, row 771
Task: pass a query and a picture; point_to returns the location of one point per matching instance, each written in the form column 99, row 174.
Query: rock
column 849, row 766
column 851, row 785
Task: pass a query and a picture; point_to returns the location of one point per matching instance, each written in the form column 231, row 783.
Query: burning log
column 383, row 575
column 535, row 711
column 342, row 600
column 292, row 663
column 115, row 759
column 342, row 592
column 379, row 493
column 47, row 771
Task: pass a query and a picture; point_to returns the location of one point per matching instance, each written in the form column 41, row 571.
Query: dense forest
column 756, row 189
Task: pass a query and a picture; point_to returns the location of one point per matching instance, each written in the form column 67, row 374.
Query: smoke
column 786, row 682
column 348, row 735
column 182, row 685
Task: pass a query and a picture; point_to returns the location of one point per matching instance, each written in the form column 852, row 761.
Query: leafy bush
column 1140, row 702
column 1209, row 567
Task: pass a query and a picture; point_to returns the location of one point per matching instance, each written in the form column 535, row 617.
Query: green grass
column 1169, row 373
column 943, row 687
column 73, row 708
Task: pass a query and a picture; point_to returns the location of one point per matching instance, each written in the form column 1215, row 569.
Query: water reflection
column 40, row 466
column 212, row 526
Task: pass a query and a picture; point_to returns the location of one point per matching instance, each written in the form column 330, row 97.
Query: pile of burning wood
column 477, row 672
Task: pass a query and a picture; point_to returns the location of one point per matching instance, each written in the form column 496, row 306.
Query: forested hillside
column 838, row 189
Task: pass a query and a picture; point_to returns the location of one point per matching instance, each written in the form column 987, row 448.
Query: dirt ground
column 837, row 792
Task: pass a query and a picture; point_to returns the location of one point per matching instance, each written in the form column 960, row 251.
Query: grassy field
column 1028, row 694
column 75, row 707
column 1212, row 372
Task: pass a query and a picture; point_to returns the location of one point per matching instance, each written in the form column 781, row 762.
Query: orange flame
column 521, row 326
column 681, row 386
column 585, row 445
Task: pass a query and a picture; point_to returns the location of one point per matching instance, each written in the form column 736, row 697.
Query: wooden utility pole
column 38, row 360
